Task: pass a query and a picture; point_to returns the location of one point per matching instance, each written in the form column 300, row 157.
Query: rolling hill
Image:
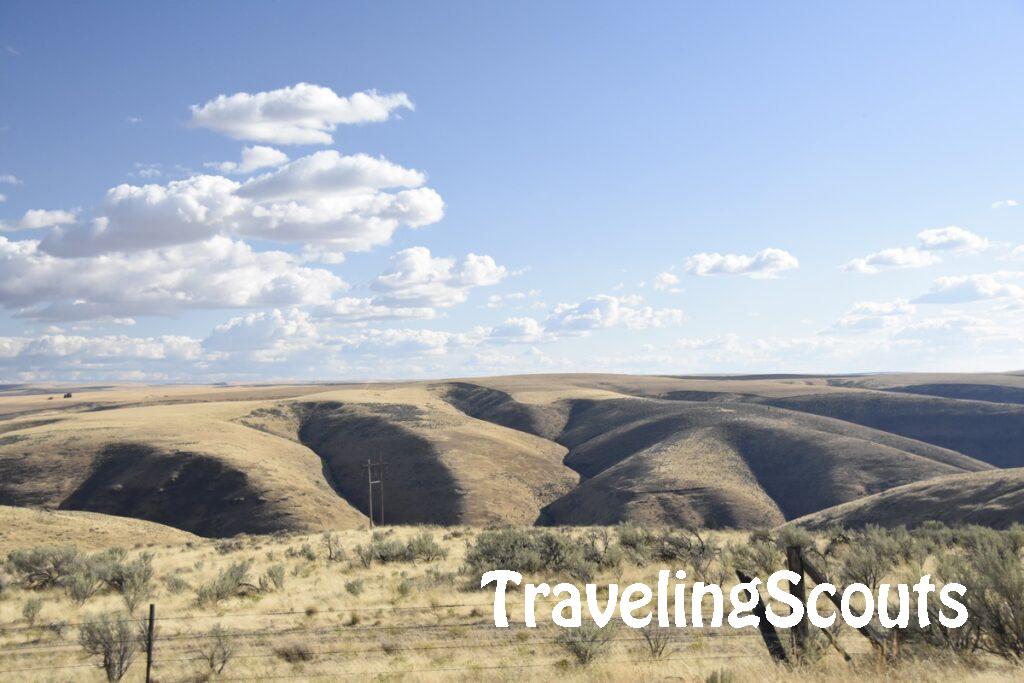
column 725, row 452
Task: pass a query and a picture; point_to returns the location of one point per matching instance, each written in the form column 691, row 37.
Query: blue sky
column 684, row 187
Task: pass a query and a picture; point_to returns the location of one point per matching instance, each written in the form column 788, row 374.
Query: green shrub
column 354, row 587
column 112, row 639
column 176, row 584
column 585, row 643
column 217, row 649
column 44, row 567
column 273, row 579
column 231, row 582
column 31, row 609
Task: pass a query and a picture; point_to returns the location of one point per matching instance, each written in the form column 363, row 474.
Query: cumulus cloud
column 666, row 282
column 896, row 257
column 134, row 217
column 603, row 311
column 876, row 315
column 517, row 331
column 217, row 273
column 362, row 310
column 1006, row 203
column 253, row 159
column 267, row 336
column 766, row 263
column 960, row 289
column 330, row 174
column 416, row 278
column 952, row 239
column 299, row 114
column 40, row 218
column 328, row 199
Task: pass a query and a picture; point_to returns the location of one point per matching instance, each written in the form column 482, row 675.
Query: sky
column 237, row 192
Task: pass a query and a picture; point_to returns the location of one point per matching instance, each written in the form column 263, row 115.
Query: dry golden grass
column 437, row 627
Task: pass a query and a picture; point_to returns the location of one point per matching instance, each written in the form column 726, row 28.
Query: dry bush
column 655, row 639
column 31, row 609
column 585, row 643
column 294, row 652
column 112, row 640
column 383, row 550
column 272, row 579
column 332, row 544
column 43, row 567
column 217, row 650
column 532, row 551
column 231, row 582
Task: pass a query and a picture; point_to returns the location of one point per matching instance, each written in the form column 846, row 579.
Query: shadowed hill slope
column 994, row 498
column 735, row 465
column 555, row 449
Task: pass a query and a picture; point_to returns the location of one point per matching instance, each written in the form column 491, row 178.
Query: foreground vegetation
column 405, row 602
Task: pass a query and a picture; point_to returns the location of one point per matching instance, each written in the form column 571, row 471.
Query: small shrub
column 176, row 584
column 332, row 545
column 403, row 588
column 655, row 639
column 58, row 628
column 354, row 587
column 217, row 650
column 273, row 579
column 294, row 652
column 585, row 643
column 231, row 582
column 305, row 551
column 113, row 641
column 31, row 609
column 134, row 580
column 44, row 567
column 424, row 548
column 720, row 676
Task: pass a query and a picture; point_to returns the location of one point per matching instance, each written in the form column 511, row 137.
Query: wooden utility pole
column 380, row 465
column 149, row 642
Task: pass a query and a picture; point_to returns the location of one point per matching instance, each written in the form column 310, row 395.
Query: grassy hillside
column 731, row 452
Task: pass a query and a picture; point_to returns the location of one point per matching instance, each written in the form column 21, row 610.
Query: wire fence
column 371, row 646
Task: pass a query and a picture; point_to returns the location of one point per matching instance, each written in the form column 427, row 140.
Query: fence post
column 768, row 632
column 868, row 631
column 149, row 643
column 795, row 564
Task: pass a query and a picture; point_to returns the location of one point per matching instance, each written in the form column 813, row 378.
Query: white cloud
column 603, row 311
column 416, row 278
column 217, row 273
column 361, row 310
column 875, row 315
column 517, row 331
column 253, row 158
column 328, row 173
column 267, row 336
column 134, row 217
column 952, row 238
column 1006, row 203
column 300, row 114
column 134, row 120
column 8, row 179
column 961, row 289
column 3, row 198
column 666, row 282
column 325, row 198
column 40, row 218
column 896, row 257
column 766, row 263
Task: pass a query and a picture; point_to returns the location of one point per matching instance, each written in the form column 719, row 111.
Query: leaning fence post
column 868, row 631
column 149, row 642
column 795, row 564
column 768, row 632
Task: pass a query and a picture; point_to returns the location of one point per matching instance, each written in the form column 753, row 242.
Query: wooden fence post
column 868, row 631
column 768, row 632
column 149, row 642
column 795, row 564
